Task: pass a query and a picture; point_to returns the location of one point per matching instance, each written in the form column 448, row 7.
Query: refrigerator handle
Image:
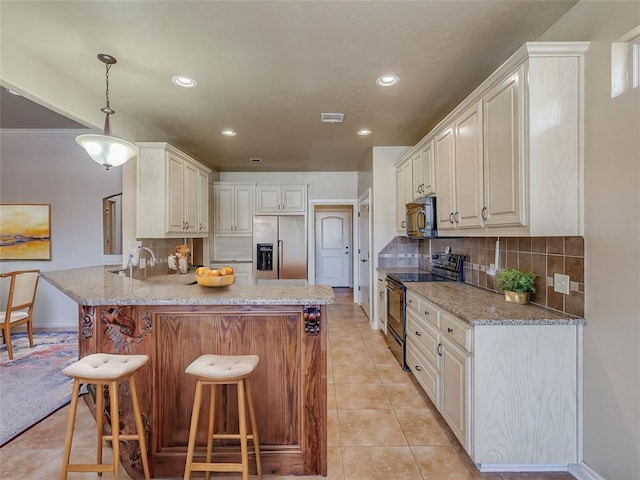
column 280, row 252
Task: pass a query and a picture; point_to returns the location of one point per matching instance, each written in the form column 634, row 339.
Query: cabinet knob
column 199, row 226
column 418, row 334
column 417, row 367
column 451, row 217
column 483, row 213
column 439, row 349
column 426, row 312
column 450, row 330
column 409, row 301
column 456, row 217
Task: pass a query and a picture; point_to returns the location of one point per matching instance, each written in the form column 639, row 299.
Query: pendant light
column 107, row 150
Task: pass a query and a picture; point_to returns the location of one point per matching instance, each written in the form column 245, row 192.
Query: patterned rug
column 32, row 385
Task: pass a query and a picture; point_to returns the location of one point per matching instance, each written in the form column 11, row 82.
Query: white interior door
column 333, row 248
column 363, row 257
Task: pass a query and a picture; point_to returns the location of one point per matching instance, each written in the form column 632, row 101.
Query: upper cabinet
column 173, row 193
column 423, row 172
column 233, row 205
column 404, row 192
column 508, row 160
column 281, row 200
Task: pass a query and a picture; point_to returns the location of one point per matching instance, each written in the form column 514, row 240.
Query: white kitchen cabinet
column 173, row 193
column 404, row 193
column 509, row 158
column 423, row 173
column 508, row 392
column 233, row 207
column 445, row 179
column 281, row 200
column 459, row 166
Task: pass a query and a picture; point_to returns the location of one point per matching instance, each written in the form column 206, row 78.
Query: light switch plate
column 561, row 283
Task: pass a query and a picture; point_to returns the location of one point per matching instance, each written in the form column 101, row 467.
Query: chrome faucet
column 134, row 260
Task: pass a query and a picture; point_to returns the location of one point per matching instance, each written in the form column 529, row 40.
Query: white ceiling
column 269, row 68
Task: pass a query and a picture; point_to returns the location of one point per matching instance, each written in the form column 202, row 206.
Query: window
column 625, row 63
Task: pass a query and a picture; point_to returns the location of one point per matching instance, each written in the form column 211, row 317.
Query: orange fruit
column 202, row 270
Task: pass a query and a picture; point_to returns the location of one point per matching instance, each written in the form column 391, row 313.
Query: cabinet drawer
column 426, row 375
column 429, row 312
column 424, row 337
column 413, row 301
column 456, row 330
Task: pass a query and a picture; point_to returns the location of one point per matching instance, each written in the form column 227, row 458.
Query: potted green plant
column 517, row 285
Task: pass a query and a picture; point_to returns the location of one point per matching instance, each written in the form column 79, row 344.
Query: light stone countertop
column 98, row 286
column 477, row 306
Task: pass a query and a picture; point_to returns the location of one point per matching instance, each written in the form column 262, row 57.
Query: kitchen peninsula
column 173, row 322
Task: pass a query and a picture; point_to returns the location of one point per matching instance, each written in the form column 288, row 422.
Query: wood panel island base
column 289, row 383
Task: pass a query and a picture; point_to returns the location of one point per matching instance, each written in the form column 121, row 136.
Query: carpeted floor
column 32, row 385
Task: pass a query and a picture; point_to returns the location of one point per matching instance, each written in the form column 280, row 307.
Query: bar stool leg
column 192, row 431
column 212, row 411
column 242, row 414
column 139, row 428
column 70, row 423
column 254, row 427
column 99, row 422
column 115, row 427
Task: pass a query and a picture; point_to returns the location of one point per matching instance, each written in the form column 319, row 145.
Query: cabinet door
column 403, row 194
column 503, row 153
column 224, row 206
column 445, row 164
column 454, row 367
column 468, row 169
column 191, row 198
column 175, row 194
column 203, row 203
column 417, row 176
column 294, row 199
column 269, row 200
column 243, row 215
column 428, row 174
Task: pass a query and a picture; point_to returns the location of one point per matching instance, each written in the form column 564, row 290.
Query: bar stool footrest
column 216, row 467
column 121, row 437
column 229, row 436
column 89, row 467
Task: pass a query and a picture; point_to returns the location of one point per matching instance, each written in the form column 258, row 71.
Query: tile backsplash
column 163, row 247
column 544, row 256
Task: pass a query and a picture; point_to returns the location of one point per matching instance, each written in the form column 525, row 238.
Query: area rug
column 32, row 385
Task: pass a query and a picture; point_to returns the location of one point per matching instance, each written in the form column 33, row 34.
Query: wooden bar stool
column 105, row 369
column 223, row 370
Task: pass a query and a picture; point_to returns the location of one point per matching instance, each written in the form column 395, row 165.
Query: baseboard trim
column 522, row 467
column 582, row 471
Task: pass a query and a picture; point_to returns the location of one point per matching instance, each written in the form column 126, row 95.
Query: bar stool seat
column 216, row 370
column 103, row 369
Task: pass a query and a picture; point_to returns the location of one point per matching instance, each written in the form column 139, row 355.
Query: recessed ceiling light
column 364, row 131
column 184, row 81
column 387, row 80
column 229, row 132
column 255, row 159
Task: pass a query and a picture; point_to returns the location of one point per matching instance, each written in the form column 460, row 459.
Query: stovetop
column 418, row 277
column 445, row 267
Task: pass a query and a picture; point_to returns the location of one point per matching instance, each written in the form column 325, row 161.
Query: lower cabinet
column 381, row 307
column 508, row 392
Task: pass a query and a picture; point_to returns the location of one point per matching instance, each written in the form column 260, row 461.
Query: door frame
column 311, row 273
column 368, row 198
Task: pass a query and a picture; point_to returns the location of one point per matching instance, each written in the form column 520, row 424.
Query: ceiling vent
column 331, row 117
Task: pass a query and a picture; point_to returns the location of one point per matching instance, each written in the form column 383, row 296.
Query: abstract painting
column 25, row 232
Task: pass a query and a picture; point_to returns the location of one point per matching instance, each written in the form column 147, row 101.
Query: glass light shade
column 107, row 151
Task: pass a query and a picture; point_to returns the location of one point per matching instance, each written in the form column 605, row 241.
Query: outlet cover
column 561, row 283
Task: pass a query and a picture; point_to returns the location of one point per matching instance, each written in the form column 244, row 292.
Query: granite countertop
column 482, row 307
column 98, row 286
column 477, row 306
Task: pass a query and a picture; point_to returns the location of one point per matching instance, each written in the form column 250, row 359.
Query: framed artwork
column 25, row 231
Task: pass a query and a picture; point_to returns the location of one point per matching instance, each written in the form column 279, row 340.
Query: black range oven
column 446, row 267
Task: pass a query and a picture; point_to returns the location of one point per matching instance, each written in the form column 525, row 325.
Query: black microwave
column 421, row 218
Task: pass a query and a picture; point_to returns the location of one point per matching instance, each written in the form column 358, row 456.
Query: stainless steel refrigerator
column 279, row 248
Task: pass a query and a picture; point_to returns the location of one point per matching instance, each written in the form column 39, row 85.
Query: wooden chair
column 22, row 295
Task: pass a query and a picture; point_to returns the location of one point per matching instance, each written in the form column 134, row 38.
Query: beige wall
column 612, row 244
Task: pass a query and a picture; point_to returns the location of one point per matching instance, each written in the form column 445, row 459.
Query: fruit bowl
column 221, row 277
column 219, row 281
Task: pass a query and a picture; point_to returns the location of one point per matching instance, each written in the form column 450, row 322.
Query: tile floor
column 380, row 425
